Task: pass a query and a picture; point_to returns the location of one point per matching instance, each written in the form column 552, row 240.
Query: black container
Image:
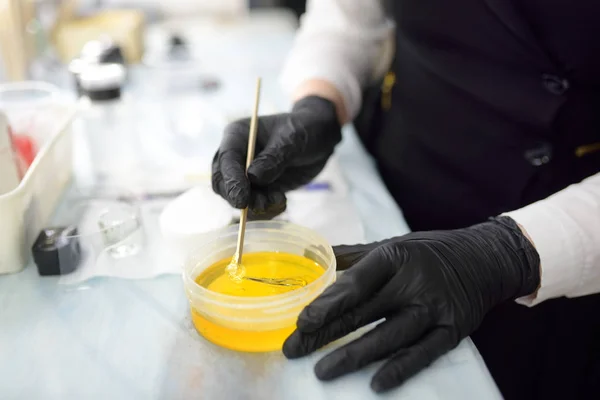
column 57, row 251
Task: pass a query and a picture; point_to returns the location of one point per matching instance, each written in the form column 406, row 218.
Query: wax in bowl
column 247, row 315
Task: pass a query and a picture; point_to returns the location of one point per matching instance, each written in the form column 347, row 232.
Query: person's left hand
column 432, row 288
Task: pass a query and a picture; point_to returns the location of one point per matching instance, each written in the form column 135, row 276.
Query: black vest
column 484, row 117
column 496, row 104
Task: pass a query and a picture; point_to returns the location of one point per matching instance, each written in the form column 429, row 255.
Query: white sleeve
column 565, row 229
column 342, row 42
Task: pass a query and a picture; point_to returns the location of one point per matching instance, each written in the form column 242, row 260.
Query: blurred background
column 39, row 34
column 154, row 81
column 131, row 97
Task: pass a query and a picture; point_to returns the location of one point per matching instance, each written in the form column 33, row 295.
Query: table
column 133, row 339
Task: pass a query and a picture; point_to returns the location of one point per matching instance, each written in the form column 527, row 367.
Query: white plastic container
column 26, row 209
column 9, row 173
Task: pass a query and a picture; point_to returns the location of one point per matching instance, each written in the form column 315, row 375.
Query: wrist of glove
column 291, row 149
column 432, row 288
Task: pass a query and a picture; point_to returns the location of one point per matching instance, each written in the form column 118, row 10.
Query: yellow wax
column 270, row 265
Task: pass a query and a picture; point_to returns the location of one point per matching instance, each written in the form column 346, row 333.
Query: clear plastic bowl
column 109, row 228
column 259, row 324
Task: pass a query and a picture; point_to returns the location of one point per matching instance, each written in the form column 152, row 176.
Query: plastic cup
column 258, row 324
column 29, row 106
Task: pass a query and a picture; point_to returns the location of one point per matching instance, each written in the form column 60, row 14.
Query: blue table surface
column 115, row 339
column 133, row 339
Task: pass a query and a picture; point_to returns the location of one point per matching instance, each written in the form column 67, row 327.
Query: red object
column 24, row 149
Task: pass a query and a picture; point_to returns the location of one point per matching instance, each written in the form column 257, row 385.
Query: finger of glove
column 348, row 255
column 283, row 147
column 298, row 176
column 218, row 185
column 408, row 362
column 236, row 187
column 400, row 331
column 354, row 287
column 232, row 164
column 266, row 204
column 301, row 343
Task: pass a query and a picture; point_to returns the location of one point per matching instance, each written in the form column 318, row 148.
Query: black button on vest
column 540, row 155
column 554, row 84
column 497, row 105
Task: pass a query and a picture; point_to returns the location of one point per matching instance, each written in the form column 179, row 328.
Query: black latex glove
column 291, row 149
column 432, row 288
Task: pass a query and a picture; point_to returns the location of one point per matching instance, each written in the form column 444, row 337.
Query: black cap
column 57, row 251
column 103, row 95
column 102, row 82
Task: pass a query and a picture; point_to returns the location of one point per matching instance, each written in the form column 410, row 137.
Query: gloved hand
column 291, row 149
column 432, row 288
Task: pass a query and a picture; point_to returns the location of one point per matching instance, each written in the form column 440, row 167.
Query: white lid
column 197, row 211
column 5, row 142
column 9, row 174
column 93, row 49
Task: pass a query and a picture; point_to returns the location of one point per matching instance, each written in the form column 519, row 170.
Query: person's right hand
column 291, row 149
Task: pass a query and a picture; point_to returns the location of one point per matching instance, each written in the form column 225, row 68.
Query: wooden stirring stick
column 235, row 267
